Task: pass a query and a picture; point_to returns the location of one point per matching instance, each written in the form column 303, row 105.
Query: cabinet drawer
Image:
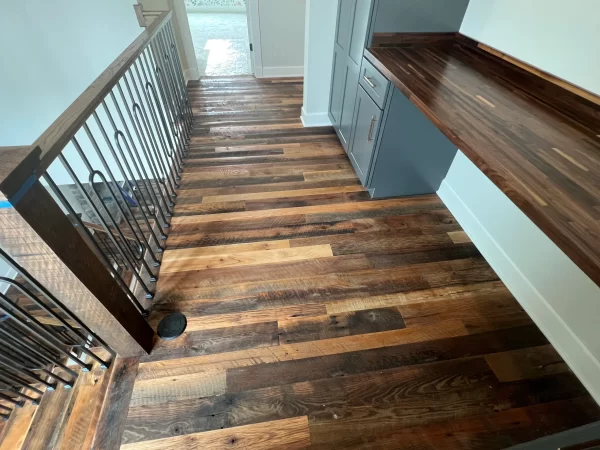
column 366, row 126
column 374, row 83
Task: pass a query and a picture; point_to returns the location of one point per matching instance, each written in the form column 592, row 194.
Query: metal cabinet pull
column 369, row 82
column 373, row 120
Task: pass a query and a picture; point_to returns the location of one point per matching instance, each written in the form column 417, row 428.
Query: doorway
column 220, row 35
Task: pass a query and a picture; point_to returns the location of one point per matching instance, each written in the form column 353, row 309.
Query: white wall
column 562, row 300
column 558, row 36
column 51, row 53
column 321, row 16
column 282, row 37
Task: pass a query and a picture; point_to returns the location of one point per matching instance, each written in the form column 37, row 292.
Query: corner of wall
column 315, row 119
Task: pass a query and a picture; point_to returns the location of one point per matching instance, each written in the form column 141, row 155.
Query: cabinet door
column 344, row 24
column 338, row 85
column 360, row 23
column 366, row 126
column 348, row 103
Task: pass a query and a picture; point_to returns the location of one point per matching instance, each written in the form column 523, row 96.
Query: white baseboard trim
column 575, row 353
column 315, row 119
column 283, row 71
column 216, row 9
column 191, row 74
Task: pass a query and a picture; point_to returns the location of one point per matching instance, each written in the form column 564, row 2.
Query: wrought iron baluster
column 165, row 100
column 180, row 72
column 139, row 112
column 140, row 166
column 119, row 137
column 138, row 116
column 88, row 236
column 124, row 248
column 34, row 328
column 171, row 83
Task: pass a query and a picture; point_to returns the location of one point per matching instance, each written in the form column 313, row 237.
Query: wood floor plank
column 302, row 350
column 177, row 255
column 344, row 207
column 264, row 334
column 281, row 194
column 181, row 387
column 384, row 357
column 528, row 363
column 494, row 430
column 15, row 430
column 84, row 410
column 246, row 258
column 287, row 434
column 400, row 335
column 50, row 413
column 198, row 323
column 113, row 416
column 345, row 324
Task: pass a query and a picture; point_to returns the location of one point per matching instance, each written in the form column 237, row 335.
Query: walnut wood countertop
column 539, row 143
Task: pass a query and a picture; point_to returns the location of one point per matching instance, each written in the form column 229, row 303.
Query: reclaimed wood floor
column 318, row 318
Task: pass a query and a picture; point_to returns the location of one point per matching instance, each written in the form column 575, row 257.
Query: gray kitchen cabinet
column 351, row 34
column 412, row 155
column 366, row 126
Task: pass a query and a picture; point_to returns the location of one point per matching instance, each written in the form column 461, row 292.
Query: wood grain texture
column 287, row 434
column 542, row 74
column 399, row 338
column 509, row 125
column 248, row 258
column 111, row 422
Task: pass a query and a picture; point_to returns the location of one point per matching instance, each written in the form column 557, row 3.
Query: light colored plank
column 323, row 175
column 239, row 148
column 318, row 209
column 186, row 253
column 286, row 434
column 178, row 387
column 247, row 258
column 527, row 363
column 17, row 427
column 459, row 237
column 427, row 295
column 281, row 194
column 87, row 398
column 249, row 317
column 223, row 361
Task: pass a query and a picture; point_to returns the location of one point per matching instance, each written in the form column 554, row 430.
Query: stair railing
column 99, row 185
column 44, row 344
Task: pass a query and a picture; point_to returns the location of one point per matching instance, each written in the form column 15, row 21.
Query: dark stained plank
column 494, row 430
column 264, row 375
column 536, row 141
column 345, row 324
column 111, row 423
column 527, row 363
column 217, row 341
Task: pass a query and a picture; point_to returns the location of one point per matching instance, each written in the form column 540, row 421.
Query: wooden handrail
column 23, row 165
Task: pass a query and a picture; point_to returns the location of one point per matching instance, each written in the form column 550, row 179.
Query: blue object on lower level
column 4, row 204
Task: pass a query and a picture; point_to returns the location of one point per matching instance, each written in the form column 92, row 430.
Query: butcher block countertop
column 539, row 143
